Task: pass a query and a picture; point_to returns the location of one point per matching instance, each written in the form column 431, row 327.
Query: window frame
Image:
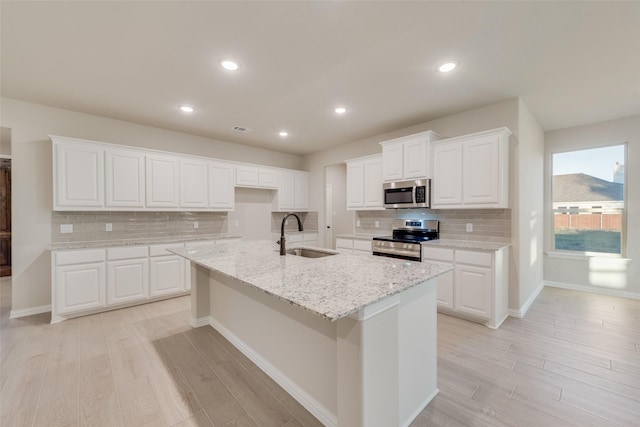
column 566, row 253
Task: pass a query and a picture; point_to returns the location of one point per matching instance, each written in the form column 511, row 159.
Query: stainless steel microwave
column 407, row 194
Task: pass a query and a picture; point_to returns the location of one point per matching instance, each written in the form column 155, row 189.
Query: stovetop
column 412, row 231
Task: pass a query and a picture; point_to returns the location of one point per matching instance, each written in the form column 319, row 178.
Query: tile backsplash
column 91, row 226
column 309, row 221
column 491, row 225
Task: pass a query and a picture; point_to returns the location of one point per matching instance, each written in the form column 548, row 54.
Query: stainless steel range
column 406, row 238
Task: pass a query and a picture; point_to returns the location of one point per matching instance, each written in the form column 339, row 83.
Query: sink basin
column 309, row 253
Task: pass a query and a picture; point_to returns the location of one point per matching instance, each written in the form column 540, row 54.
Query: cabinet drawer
column 80, row 257
column 437, row 254
column 474, row 258
column 127, row 253
column 362, row 245
column 160, row 250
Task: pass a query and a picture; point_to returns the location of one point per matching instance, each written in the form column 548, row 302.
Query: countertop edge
column 135, row 242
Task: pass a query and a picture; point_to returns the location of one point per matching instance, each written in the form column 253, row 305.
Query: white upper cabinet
column 267, row 178
column 95, row 176
column 221, row 178
column 256, row 177
column 292, row 194
column 247, row 176
column 407, row 157
column 162, row 181
column 364, row 183
column 193, row 184
column 472, row 171
column 124, row 178
column 78, row 175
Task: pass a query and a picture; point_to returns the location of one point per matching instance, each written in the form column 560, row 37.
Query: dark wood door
column 5, row 217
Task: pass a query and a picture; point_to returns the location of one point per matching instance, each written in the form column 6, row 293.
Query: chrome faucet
column 283, row 249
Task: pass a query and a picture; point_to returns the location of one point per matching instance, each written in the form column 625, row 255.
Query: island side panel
column 200, row 310
column 387, row 360
column 294, row 347
column 418, row 341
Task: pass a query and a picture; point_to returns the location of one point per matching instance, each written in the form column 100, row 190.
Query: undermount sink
column 309, row 253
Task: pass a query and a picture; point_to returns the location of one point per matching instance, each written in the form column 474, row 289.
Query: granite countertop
column 467, row 244
column 331, row 287
column 139, row 242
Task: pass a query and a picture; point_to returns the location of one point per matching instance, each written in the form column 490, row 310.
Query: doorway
column 337, row 217
column 5, row 217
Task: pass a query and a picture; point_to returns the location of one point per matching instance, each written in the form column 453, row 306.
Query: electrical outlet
column 66, row 228
column 469, row 227
column 236, row 223
column 377, row 224
column 195, row 224
column 358, row 223
column 109, row 227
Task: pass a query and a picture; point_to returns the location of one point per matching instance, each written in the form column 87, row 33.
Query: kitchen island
column 351, row 336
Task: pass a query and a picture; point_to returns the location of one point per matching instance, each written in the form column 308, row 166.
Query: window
column 588, row 200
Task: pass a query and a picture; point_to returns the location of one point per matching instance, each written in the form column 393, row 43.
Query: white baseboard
column 525, row 307
column 14, row 314
column 421, row 408
column 592, row 289
column 198, row 323
column 318, row 410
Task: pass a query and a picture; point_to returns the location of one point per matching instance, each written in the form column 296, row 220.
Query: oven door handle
column 414, row 254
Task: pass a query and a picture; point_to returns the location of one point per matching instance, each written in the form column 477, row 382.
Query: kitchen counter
column 351, row 336
column 141, row 241
column 467, row 244
column 331, row 287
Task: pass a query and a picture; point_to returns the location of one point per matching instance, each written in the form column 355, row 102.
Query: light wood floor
column 573, row 361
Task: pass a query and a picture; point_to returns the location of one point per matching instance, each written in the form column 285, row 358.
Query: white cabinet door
column 285, row 192
column 373, row 183
column 267, row 179
column 355, row 185
column 193, row 184
column 127, row 280
column 473, row 290
column 247, row 176
column 167, row 275
column 481, row 174
column 392, row 157
column 221, row 186
column 416, row 158
column 162, row 189
column 445, row 290
column 79, row 287
column 447, row 175
column 124, row 178
column 300, row 191
column 79, row 176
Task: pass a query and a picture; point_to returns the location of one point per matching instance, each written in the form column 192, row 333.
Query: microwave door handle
column 413, row 194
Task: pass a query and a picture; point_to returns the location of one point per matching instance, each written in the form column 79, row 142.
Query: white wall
column 251, row 217
column 599, row 274
column 32, row 178
column 528, row 217
column 526, row 154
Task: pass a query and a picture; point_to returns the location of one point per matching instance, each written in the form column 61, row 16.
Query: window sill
column 585, row 255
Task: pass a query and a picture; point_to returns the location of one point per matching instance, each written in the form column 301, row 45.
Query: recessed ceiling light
column 283, row 133
column 447, row 66
column 187, row 109
column 340, row 110
column 227, row 64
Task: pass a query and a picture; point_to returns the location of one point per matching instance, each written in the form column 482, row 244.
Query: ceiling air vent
column 241, row 129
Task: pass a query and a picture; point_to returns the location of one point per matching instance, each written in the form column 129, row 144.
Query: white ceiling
column 571, row 62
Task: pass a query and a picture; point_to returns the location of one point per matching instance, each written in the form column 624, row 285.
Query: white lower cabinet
column 79, row 287
column 353, row 245
column 477, row 288
column 78, row 281
column 85, row 281
column 166, row 270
